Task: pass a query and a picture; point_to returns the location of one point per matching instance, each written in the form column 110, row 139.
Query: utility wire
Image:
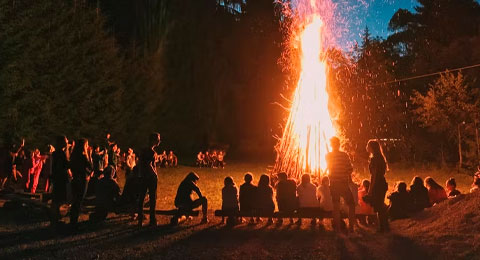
column 426, row 75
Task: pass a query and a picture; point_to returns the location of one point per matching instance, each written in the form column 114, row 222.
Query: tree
column 446, row 107
column 60, row 73
column 367, row 107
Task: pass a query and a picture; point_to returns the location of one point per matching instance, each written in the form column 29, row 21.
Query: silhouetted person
column 106, row 195
column 230, row 200
column 286, row 195
column 147, row 170
column 378, row 184
column 60, row 177
column 12, row 169
column 184, row 201
column 451, row 186
column 265, row 204
column 248, row 195
column 418, row 195
column 82, row 169
column 436, row 193
column 340, row 168
column 400, row 203
column 113, row 157
column 47, row 167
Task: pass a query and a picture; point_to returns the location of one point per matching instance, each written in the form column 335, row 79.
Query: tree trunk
column 442, row 151
column 478, row 143
column 460, row 158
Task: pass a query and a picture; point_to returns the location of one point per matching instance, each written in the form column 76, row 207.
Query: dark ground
column 449, row 230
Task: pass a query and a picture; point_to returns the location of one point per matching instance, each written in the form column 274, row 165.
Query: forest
column 212, row 72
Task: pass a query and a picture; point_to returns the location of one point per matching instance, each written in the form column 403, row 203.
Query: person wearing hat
column 184, row 201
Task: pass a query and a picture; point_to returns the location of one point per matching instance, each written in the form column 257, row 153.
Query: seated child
column 107, row 195
column 172, row 160
column 451, row 186
column 265, row 203
column 364, row 208
column 248, row 195
column 418, row 195
column 184, row 201
column 436, row 193
column 200, row 159
column 229, row 200
column 323, row 194
column 286, row 195
column 399, row 202
column 307, row 196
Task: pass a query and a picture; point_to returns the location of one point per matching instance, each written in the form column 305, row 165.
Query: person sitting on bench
column 184, row 201
column 307, row 199
column 229, row 200
column 107, row 195
column 286, row 196
column 265, row 198
column 248, row 196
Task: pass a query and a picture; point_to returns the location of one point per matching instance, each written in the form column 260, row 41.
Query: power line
column 426, row 75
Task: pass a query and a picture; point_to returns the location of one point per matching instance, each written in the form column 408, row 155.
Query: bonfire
column 303, row 144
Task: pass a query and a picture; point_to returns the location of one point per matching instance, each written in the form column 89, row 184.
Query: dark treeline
column 206, row 73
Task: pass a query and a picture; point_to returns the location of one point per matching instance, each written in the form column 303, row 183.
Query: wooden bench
column 307, row 213
column 172, row 212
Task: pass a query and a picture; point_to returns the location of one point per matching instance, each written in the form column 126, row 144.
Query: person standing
column 378, row 185
column 47, row 167
column 60, row 176
column 113, row 156
column 37, row 169
column 340, row 169
column 130, row 162
column 147, row 167
column 82, row 168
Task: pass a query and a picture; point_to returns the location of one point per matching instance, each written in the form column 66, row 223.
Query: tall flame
column 303, row 145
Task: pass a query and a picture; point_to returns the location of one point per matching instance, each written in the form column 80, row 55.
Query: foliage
column 367, row 108
column 447, row 106
column 59, row 71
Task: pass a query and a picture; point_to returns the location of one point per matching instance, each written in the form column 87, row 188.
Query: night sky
column 354, row 15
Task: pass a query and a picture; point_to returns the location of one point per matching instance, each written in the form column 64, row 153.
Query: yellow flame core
column 303, row 146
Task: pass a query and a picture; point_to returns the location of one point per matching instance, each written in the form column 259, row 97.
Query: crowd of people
column 211, row 159
column 78, row 170
column 365, row 200
column 93, row 170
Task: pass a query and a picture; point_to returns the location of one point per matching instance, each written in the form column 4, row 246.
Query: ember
column 303, row 146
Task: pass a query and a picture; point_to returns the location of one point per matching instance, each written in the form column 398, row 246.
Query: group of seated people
column 211, row 159
column 422, row 194
column 168, row 160
column 306, row 196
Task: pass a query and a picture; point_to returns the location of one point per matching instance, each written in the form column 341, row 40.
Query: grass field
column 25, row 234
column 211, row 180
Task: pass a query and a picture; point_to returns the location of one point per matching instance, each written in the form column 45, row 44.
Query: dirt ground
column 446, row 231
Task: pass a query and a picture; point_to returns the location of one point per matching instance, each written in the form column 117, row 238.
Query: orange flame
column 303, row 145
